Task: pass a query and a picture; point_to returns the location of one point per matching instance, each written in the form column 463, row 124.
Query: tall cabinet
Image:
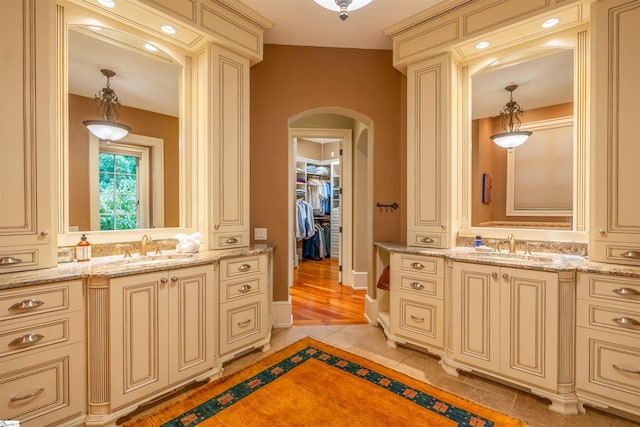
column 28, row 51
column 615, row 228
column 430, row 85
column 228, row 106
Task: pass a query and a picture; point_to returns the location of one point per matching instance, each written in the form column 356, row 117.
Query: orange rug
column 310, row 383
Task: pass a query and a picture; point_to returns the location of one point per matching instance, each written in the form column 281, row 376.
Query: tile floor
column 370, row 342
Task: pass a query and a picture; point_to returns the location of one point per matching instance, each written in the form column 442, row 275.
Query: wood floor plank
column 318, row 298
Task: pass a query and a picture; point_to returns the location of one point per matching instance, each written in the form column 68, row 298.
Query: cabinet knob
column 164, row 280
column 602, row 232
column 494, row 275
column 28, row 304
column 27, row 339
column 174, row 279
column 416, row 285
column 244, row 267
column 44, row 233
column 417, row 265
column 626, row 292
column 626, row 322
column 505, row 276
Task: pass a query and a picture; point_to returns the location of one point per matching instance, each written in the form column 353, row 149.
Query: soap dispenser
column 83, row 249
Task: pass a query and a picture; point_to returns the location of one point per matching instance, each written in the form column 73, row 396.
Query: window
column 119, row 188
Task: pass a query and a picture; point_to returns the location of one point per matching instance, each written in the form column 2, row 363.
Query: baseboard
column 360, row 280
column 282, row 313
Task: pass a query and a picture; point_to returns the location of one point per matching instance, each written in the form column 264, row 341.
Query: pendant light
column 107, row 129
column 511, row 112
column 343, row 6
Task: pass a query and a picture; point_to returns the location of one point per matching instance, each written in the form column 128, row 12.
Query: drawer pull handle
column 28, row 304
column 417, row 319
column 27, row 339
column 417, row 265
column 416, row 285
column 7, row 261
column 627, row 322
column 427, row 240
column 244, row 323
column 631, row 254
column 231, row 240
column 626, row 292
column 28, row 396
column 626, row 371
column 245, row 288
column 244, row 267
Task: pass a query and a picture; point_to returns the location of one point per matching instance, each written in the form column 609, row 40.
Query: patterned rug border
column 426, row 396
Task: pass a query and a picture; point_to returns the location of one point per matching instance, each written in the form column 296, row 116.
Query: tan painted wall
column 142, row 122
column 294, row 79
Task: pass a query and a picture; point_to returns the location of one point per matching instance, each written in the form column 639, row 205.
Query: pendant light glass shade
column 511, row 112
column 107, row 129
column 343, row 6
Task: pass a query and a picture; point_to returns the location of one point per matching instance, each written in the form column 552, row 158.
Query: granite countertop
column 117, row 265
column 535, row 261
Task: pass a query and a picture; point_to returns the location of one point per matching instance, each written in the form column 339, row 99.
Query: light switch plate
column 260, row 233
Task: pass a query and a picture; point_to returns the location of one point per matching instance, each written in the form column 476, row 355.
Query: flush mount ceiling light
column 168, row 29
column 107, row 129
column 511, row 122
column 343, row 6
column 551, row 22
column 107, row 3
column 483, row 44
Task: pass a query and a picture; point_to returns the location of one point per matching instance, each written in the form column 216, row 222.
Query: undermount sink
column 515, row 257
column 153, row 259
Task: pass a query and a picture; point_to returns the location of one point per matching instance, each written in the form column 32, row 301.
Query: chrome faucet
column 512, row 243
column 143, row 244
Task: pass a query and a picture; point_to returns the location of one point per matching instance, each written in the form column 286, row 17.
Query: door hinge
column 340, row 190
column 341, row 151
column 339, row 268
column 340, row 229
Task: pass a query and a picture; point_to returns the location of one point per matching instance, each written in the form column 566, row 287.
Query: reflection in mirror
column 134, row 182
column 530, row 186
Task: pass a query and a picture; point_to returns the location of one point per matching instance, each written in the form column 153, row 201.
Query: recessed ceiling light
column 168, row 29
column 551, row 22
column 107, row 3
column 482, row 45
column 150, row 47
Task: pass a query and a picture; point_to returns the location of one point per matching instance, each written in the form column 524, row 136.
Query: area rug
column 310, row 383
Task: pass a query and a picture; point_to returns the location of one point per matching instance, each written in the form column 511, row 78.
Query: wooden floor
column 318, row 298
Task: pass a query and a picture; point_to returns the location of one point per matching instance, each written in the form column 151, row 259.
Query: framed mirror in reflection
column 530, row 186
column 133, row 182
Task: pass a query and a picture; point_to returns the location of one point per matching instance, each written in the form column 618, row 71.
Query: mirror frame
column 577, row 39
column 69, row 16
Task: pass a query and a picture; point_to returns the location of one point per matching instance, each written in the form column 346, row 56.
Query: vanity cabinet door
column 476, row 315
column 229, row 148
column 615, row 151
column 429, row 94
column 27, row 173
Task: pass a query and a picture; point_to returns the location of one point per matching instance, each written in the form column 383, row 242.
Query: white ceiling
column 305, row 23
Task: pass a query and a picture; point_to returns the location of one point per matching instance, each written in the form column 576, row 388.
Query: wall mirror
column 114, row 189
column 537, row 188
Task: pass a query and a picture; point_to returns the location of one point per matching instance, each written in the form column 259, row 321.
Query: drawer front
column 608, row 288
column 22, row 337
column 31, row 300
column 242, row 322
column 243, row 266
column 427, row 286
column 428, row 240
column 612, row 318
column 421, row 320
column 236, row 289
column 418, row 264
column 231, row 240
column 608, row 364
column 44, row 387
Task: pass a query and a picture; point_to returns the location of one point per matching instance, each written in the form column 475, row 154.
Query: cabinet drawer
column 241, row 323
column 428, row 240
column 232, row 240
column 242, row 266
column 427, row 286
column 418, row 264
column 31, row 300
column 608, row 364
column 48, row 385
column 232, row 290
column 419, row 319
column 608, row 288
column 19, row 259
column 21, row 337
column 614, row 318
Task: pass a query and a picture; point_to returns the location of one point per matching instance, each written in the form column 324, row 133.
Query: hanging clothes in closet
column 304, row 220
column 317, row 247
column 319, row 195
